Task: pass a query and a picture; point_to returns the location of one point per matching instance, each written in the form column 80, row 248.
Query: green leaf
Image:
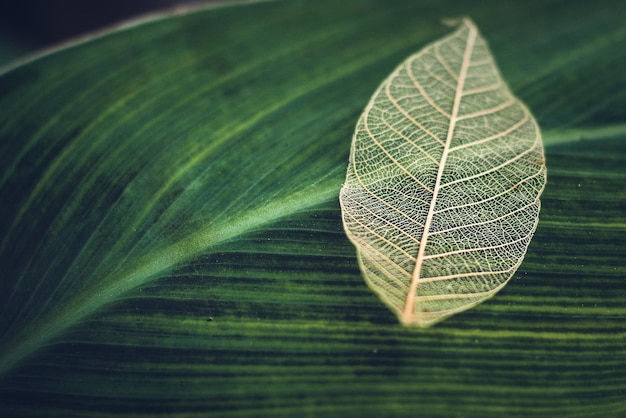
column 171, row 239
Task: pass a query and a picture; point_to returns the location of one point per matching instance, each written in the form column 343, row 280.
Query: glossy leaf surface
column 172, row 240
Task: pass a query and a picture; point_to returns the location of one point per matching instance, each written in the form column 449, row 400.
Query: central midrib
column 409, row 307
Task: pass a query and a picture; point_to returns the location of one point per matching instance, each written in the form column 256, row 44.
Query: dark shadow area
column 30, row 25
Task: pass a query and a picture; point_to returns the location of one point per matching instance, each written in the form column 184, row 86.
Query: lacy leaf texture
column 441, row 197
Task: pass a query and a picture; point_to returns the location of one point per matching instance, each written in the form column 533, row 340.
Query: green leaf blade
column 293, row 329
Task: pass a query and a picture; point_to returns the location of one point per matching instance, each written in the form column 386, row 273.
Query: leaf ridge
column 499, row 135
column 466, row 275
column 409, row 117
column 395, row 162
column 417, row 147
column 499, row 218
column 367, row 190
column 494, row 169
column 409, row 309
column 444, row 63
column 494, row 197
column 423, row 92
column 490, row 111
column 476, row 249
column 388, row 223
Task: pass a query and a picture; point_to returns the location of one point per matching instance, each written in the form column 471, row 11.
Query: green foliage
column 171, row 240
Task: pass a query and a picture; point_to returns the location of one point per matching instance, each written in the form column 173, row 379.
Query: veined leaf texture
column 441, row 197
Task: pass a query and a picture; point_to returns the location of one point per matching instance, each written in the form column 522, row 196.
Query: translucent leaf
column 441, row 197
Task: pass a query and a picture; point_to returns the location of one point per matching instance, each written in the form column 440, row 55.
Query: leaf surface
column 441, row 197
column 231, row 127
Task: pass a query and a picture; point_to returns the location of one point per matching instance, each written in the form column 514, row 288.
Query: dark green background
column 171, row 242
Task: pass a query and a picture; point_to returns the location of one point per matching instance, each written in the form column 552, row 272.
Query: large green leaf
column 171, row 241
